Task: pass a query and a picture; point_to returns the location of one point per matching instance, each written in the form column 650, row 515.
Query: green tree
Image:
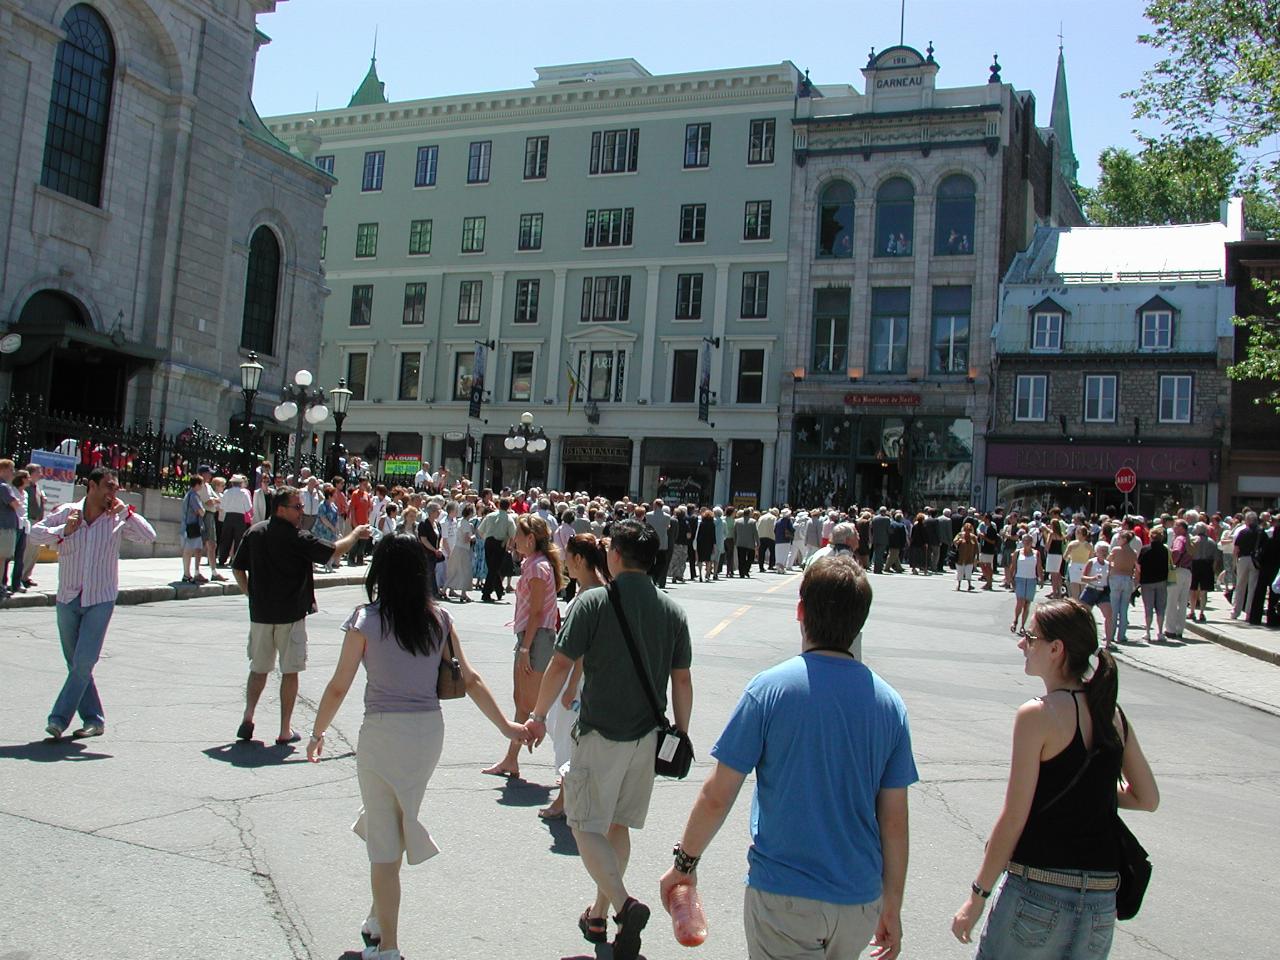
column 1169, row 181
column 1219, row 76
column 1262, row 360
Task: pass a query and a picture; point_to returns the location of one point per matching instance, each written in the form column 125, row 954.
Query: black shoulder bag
column 675, row 749
column 1132, row 861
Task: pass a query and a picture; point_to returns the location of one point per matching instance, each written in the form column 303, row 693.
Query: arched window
column 895, row 218
column 835, row 220
column 261, row 292
column 75, row 140
column 953, row 225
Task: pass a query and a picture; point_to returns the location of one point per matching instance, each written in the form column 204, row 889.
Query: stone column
column 766, row 474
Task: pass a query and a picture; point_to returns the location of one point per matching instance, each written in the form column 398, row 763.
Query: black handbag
column 674, row 755
column 193, row 530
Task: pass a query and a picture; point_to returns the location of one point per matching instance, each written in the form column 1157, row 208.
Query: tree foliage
column 1262, row 359
column 1168, row 181
column 1220, row 75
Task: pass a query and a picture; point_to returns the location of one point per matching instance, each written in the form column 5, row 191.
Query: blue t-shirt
column 824, row 735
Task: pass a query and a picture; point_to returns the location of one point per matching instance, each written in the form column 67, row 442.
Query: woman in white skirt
column 457, row 571
column 588, row 567
column 399, row 636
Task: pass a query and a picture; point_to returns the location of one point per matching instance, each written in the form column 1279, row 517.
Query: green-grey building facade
column 613, row 244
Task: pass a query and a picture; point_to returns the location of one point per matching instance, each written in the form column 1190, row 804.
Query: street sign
column 1126, row 480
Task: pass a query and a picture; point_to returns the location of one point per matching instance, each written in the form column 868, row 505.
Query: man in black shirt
column 429, row 537
column 274, row 567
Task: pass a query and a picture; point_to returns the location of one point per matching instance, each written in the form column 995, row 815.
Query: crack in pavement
column 934, row 790
column 1145, row 943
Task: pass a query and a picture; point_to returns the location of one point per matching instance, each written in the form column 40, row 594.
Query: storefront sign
column 741, row 500
column 57, row 477
column 595, row 450
column 882, row 399
column 1056, row 461
column 402, row 465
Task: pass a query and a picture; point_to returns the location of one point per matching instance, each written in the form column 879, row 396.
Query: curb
column 1234, row 643
column 133, row 596
column 1186, row 681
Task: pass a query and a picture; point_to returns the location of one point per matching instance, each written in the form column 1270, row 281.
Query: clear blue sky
column 428, row 48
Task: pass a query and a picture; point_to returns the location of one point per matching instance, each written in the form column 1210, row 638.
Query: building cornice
column 871, row 118
column 1045, row 361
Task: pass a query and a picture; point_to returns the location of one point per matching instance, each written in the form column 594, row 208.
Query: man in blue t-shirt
column 831, row 749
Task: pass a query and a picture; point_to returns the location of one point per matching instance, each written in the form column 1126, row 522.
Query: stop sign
column 1126, row 479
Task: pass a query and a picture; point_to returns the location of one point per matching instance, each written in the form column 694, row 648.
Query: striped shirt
column 89, row 559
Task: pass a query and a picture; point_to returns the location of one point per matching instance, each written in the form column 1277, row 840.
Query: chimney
column 1231, row 213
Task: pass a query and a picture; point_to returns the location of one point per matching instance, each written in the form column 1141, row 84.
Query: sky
column 428, row 48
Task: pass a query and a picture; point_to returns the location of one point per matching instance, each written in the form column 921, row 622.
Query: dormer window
column 1046, row 332
column 1157, row 330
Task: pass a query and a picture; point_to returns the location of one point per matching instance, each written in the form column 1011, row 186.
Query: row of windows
column 1155, row 330
column 600, row 375
column 889, row 328
column 605, row 299
column 608, row 227
column 953, row 228
column 612, row 151
column 1101, row 395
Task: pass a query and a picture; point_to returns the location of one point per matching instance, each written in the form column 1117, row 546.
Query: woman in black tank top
column 1075, row 760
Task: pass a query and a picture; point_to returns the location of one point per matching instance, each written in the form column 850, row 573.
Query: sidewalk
column 1259, row 642
column 153, row 579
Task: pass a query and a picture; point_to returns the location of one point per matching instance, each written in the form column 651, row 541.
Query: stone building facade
column 1111, row 352
column 908, row 202
column 613, row 243
column 154, row 232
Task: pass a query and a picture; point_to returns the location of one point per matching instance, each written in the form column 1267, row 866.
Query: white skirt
column 560, row 723
column 395, row 757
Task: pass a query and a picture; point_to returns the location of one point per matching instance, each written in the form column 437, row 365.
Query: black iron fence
column 143, row 456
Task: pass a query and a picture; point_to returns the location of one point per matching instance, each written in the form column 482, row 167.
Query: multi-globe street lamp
column 525, row 440
column 305, row 402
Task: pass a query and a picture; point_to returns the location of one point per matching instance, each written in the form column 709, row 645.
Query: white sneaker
column 370, row 932
column 373, row 953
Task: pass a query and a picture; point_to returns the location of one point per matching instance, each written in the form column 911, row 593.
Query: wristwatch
column 538, row 717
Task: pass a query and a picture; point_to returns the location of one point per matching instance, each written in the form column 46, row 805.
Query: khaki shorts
column 609, row 781
column 289, row 640
column 541, row 650
column 790, row 928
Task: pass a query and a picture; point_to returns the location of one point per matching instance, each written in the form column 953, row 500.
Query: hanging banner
column 58, row 477
column 477, row 382
column 704, row 384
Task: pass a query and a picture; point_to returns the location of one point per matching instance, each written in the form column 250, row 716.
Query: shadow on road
column 253, row 754
column 522, row 793
column 562, row 841
column 50, row 751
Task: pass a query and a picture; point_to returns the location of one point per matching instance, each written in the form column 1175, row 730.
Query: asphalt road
column 165, row 839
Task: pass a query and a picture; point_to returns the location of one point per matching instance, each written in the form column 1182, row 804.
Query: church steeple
column 371, row 91
column 1060, row 121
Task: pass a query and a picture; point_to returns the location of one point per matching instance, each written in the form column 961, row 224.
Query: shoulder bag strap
column 612, row 591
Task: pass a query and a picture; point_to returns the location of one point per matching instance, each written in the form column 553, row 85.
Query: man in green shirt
column 610, row 778
column 495, row 531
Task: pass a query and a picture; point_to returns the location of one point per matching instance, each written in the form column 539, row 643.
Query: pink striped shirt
column 535, row 567
column 89, row 559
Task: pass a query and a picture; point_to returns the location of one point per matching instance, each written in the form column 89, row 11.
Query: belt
column 1075, row 881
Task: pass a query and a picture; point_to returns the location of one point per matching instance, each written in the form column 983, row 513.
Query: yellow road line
column 727, row 620
column 787, row 582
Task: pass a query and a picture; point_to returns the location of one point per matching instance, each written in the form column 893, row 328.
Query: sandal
column 633, row 918
column 594, row 929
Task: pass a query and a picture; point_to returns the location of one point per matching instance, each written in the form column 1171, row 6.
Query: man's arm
column 340, row 547
column 682, row 697
column 51, row 529
column 891, row 814
column 715, row 800
column 242, row 579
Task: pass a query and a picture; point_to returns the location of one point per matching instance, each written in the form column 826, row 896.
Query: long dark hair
column 590, row 551
column 397, row 583
column 1071, row 623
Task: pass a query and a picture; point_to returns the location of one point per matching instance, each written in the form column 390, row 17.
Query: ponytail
column 1101, row 692
column 1072, row 623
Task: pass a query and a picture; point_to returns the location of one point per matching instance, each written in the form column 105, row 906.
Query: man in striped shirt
column 88, row 534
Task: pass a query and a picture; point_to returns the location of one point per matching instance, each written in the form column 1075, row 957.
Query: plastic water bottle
column 688, row 922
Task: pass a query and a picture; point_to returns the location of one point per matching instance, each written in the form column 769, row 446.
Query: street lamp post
column 305, row 402
column 250, row 380
column 525, row 439
column 340, row 397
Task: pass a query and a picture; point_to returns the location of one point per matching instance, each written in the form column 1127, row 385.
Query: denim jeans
column 878, row 552
column 1121, row 592
column 82, row 630
column 1041, row 921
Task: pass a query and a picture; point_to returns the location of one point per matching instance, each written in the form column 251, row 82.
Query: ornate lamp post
column 340, row 397
column 305, row 402
column 250, row 380
column 525, row 439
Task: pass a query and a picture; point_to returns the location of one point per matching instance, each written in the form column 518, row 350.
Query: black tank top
column 1075, row 832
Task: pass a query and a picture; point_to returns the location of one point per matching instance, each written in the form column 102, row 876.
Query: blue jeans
column 1041, row 921
column 1121, row 593
column 82, row 630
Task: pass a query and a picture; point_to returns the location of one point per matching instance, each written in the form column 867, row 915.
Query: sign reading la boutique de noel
column 861, row 399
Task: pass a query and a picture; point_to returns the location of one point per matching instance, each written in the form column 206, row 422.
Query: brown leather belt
column 1074, row 881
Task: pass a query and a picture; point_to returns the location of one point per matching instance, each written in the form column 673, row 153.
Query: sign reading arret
column 1126, row 479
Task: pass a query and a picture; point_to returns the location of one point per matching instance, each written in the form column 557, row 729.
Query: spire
column 1060, row 121
column 371, row 91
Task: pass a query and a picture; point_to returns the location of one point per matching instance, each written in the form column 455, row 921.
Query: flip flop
column 245, row 731
column 559, row 815
column 288, row 740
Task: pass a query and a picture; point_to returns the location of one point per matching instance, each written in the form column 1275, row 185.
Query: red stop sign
column 1126, row 479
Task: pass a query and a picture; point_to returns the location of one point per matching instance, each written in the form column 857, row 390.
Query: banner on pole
column 477, row 382
column 704, row 384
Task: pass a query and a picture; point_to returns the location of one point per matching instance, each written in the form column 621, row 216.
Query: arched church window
column 953, row 223
column 75, row 143
column 895, row 218
column 261, row 292
column 835, row 220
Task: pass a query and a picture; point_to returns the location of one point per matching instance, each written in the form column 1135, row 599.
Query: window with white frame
column 1030, row 391
column 1046, row 332
column 424, row 170
column 1099, row 398
column 530, row 234
column 410, row 376
column 949, row 348
column 614, row 151
column 760, row 143
column 527, row 300
column 469, row 296
column 890, row 322
column 750, row 375
column 366, row 240
column 478, row 156
column 1157, row 330
column 371, row 177
column 610, row 227
column 693, row 223
column 419, row 238
column 521, row 385
column 606, row 299
column 1175, row 398
column 755, row 295
column 689, row 296
column 756, row 220
column 601, row 375
column 830, row 330
column 473, row 234
column 697, row 145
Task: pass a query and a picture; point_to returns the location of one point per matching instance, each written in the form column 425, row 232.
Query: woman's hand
column 524, row 664
column 568, row 697
column 516, row 731
column 315, row 746
column 967, row 918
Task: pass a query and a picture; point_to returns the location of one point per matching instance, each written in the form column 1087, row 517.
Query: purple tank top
column 397, row 681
